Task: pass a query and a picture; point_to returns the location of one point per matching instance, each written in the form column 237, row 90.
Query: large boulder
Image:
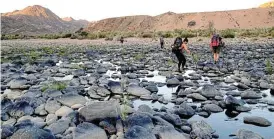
column 32, row 132
column 255, row 120
column 168, row 132
column 173, row 82
column 138, row 132
column 212, row 108
column 197, row 97
column 52, row 106
column 89, row 131
column 100, row 110
column 59, row 127
column 7, row 130
column 140, row 119
column 209, row 91
column 185, row 110
column 136, row 90
column 21, row 108
column 201, row 130
column 115, row 87
column 231, row 102
column 18, row 83
column 250, row 95
column 71, row 99
column 246, row 134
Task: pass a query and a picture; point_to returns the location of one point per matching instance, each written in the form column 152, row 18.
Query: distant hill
column 242, row 19
column 36, row 19
column 267, row 5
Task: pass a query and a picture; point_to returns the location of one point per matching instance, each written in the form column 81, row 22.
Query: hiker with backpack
column 177, row 48
column 162, row 42
column 215, row 45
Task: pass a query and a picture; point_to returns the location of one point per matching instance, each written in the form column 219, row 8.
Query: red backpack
column 215, row 42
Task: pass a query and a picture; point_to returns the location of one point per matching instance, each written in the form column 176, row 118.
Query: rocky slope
column 37, row 20
column 171, row 21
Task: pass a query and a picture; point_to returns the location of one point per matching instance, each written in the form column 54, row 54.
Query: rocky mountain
column 36, row 19
column 267, row 5
column 243, row 19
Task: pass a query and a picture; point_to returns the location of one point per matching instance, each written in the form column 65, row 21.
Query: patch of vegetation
column 147, row 35
column 269, row 67
column 199, row 40
column 228, row 33
column 139, row 56
column 5, row 60
column 57, row 85
column 211, row 28
column 125, row 100
column 187, row 34
column 48, row 50
column 170, row 62
column 196, row 58
column 32, row 56
column 191, row 23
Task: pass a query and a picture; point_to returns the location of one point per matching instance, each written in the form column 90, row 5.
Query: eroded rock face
column 100, row 110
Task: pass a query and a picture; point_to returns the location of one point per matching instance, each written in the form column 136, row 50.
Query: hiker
column 162, row 42
column 177, row 49
column 215, row 45
column 122, row 40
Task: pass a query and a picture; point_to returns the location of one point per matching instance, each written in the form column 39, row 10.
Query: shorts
column 216, row 49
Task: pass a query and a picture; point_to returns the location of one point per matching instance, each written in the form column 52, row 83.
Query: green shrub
column 68, row 35
column 269, row 67
column 228, row 33
column 57, row 85
column 84, row 34
column 168, row 34
column 191, row 23
column 147, row 35
column 187, row 34
column 92, row 36
column 73, row 37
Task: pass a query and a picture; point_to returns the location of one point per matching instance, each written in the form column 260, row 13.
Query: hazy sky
column 99, row 9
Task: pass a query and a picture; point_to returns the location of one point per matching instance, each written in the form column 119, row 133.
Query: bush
column 147, row 35
column 92, row 36
column 68, row 35
column 191, row 23
column 168, row 34
column 269, row 68
column 187, row 34
column 55, row 86
column 228, row 33
column 84, row 34
column 73, row 37
column 109, row 38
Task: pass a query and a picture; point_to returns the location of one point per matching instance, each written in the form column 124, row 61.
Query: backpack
column 177, row 43
column 215, row 42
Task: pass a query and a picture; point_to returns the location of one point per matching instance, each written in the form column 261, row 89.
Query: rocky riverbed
column 98, row 89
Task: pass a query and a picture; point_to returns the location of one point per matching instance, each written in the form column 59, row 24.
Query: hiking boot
column 179, row 71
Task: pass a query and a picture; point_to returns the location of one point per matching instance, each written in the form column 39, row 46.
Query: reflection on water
column 152, row 104
column 225, row 123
